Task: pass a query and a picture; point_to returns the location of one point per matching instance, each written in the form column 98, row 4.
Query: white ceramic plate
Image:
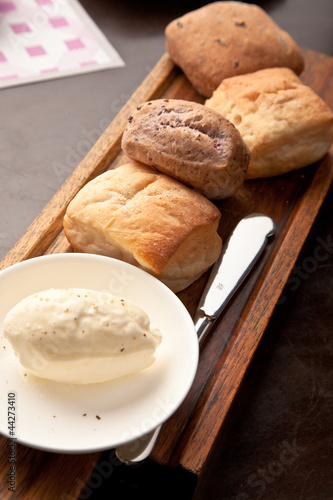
column 79, row 419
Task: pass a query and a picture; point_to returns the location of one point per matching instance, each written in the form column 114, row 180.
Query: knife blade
column 239, row 254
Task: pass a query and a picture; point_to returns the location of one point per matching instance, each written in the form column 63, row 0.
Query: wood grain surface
column 292, row 200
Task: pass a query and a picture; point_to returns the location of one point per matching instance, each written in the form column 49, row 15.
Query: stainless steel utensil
column 238, row 256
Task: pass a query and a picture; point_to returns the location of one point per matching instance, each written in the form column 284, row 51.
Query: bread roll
column 138, row 215
column 224, row 39
column 189, row 142
column 284, row 123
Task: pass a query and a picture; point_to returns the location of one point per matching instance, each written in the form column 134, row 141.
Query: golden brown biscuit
column 138, row 215
column 223, row 39
column 284, row 123
column 189, row 142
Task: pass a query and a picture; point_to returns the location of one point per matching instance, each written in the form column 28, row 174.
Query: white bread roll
column 285, row 124
column 138, row 215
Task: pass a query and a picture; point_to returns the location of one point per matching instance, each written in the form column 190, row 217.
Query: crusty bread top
column 189, row 142
column 284, row 122
column 224, row 39
column 143, row 211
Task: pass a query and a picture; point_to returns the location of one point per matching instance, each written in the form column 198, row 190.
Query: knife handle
column 238, row 256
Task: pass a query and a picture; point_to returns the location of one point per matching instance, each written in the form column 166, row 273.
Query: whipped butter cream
column 80, row 336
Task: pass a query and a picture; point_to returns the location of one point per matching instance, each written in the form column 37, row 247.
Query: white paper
column 47, row 39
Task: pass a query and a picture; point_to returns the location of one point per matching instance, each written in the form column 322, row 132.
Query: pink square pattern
column 9, row 77
column 58, row 22
column 66, row 42
column 7, row 6
column 20, row 28
column 44, row 2
column 74, row 44
column 49, row 70
column 36, row 50
column 88, row 63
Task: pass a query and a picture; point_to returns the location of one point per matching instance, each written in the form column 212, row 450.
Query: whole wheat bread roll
column 189, row 142
column 138, row 215
column 223, row 39
column 284, row 122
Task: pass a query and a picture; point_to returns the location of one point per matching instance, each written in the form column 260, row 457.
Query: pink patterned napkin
column 47, row 39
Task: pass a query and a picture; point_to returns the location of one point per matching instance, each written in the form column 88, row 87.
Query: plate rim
column 58, row 258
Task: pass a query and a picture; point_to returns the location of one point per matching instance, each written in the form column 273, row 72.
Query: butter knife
column 239, row 254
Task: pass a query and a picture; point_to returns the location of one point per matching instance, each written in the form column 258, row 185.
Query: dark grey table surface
column 278, row 442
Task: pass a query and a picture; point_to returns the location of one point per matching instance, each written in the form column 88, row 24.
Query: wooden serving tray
column 292, row 200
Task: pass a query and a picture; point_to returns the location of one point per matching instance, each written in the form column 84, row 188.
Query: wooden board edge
column 199, row 444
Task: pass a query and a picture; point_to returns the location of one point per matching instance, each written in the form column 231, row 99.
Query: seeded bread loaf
column 189, row 142
column 223, row 39
column 285, row 124
column 138, row 215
